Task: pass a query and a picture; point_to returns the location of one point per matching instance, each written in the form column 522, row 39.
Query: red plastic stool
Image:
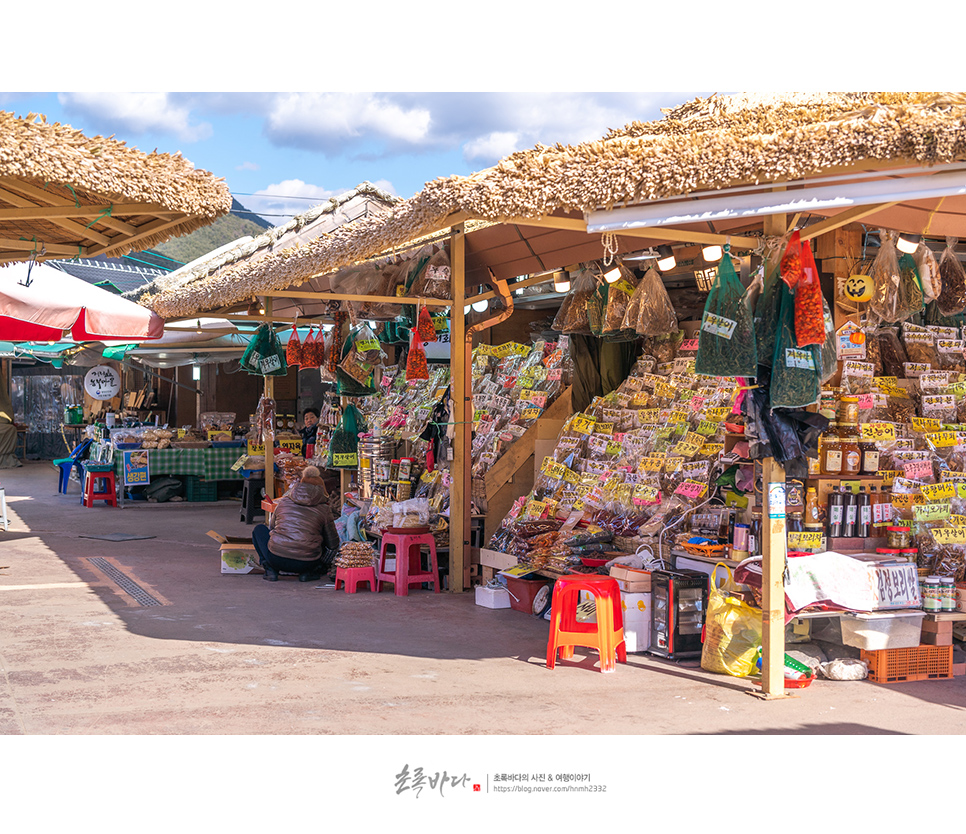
column 351, row 577
column 108, row 491
column 606, row 635
column 409, row 568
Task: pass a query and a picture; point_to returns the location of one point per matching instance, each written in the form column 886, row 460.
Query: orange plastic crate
column 921, row 663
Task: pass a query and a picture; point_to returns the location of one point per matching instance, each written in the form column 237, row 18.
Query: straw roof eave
column 34, row 149
column 705, row 145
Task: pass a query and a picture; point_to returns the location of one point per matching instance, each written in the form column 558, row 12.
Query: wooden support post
column 462, row 394
column 773, row 553
column 269, row 441
column 773, row 584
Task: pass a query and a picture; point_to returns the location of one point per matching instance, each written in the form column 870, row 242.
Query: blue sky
column 281, row 153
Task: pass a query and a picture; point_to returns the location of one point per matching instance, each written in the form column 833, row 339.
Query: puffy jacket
column 302, row 526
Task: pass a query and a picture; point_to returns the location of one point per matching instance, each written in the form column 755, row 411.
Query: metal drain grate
column 125, row 582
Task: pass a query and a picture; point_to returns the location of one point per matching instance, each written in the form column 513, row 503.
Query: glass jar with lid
column 851, row 455
column 848, row 410
column 870, row 457
column 831, row 453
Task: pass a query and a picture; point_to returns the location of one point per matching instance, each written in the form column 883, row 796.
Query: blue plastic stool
column 65, row 465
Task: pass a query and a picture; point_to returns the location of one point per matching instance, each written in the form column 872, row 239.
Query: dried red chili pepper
column 809, row 312
column 791, row 263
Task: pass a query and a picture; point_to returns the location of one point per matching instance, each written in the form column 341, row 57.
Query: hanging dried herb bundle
column 293, row 348
column 809, row 313
column 655, row 314
column 897, row 293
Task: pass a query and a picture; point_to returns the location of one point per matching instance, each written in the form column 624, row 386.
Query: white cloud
column 327, row 120
column 135, row 113
column 247, row 166
column 279, row 202
column 492, row 146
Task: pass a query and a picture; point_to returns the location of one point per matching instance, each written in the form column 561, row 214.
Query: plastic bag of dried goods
column 726, row 341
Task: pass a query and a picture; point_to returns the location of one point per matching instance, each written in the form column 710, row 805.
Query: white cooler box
column 637, row 621
column 492, row 597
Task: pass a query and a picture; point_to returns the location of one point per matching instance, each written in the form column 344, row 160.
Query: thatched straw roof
column 72, row 195
column 703, row 145
column 362, row 201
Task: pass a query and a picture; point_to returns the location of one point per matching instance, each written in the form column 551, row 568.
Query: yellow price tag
column 645, row 493
column 877, row 431
column 583, row 424
column 949, row 535
column 957, row 520
column 711, row 449
column 889, row 476
column 926, row 424
column 930, row 512
column 651, row 463
column 942, row 439
column 806, row 541
column 938, row 492
column 707, row 427
column 604, row 428
column 718, row 414
column 556, row 470
column 256, row 448
column 673, row 464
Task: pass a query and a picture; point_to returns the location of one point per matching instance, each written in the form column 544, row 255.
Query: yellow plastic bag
column 732, row 631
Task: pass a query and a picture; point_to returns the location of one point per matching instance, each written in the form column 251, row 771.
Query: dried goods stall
column 743, row 171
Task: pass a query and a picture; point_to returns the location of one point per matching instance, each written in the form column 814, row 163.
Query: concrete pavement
column 224, row 655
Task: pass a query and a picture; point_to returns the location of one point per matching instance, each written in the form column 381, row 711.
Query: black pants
column 280, row 564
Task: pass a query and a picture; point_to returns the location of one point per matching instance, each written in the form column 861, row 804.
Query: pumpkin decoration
column 857, row 288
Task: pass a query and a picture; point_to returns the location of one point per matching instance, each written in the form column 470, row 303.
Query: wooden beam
column 462, row 417
column 31, row 245
column 31, row 211
column 516, row 285
column 684, row 236
column 81, row 232
column 843, row 218
column 378, row 299
column 148, row 229
column 46, row 198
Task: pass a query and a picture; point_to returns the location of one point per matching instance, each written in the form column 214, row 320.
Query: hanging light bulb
column 466, row 310
column 480, row 306
column 908, row 243
column 612, row 276
column 665, row 255
column 561, row 282
column 712, row 253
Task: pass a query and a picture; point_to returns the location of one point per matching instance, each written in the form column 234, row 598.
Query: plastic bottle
column 813, row 514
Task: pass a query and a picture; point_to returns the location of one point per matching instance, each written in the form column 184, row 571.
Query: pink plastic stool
column 351, row 577
column 409, row 569
column 606, row 635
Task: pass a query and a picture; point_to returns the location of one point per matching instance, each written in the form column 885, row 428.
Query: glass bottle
column 870, row 458
column 813, row 513
column 851, row 513
column 863, row 521
column 836, row 513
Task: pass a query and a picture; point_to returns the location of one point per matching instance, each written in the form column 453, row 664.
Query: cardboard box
column 933, row 639
column 631, row 580
column 636, row 612
column 492, row 597
column 932, row 626
column 238, row 555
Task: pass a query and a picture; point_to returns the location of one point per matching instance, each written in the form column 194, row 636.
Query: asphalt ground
column 142, row 649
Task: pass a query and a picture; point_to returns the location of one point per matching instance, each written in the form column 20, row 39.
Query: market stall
column 742, row 172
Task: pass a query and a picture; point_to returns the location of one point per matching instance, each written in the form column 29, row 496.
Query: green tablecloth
column 207, row 464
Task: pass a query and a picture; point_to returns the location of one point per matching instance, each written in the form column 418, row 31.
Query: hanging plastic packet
column 792, row 265
column 809, row 313
column 952, row 297
column 265, row 355
column 767, row 304
column 726, row 343
column 433, row 281
column 597, row 307
column 796, row 372
column 656, row 315
column 928, row 269
column 619, row 294
column 416, row 367
column 572, row 316
column 829, row 350
column 896, row 293
column 293, row 348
